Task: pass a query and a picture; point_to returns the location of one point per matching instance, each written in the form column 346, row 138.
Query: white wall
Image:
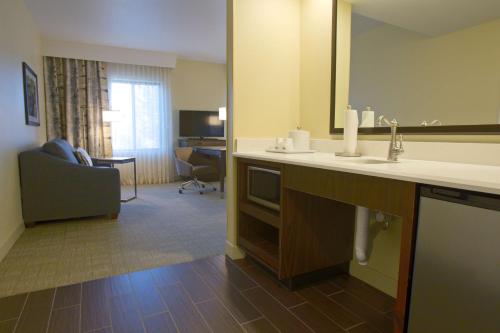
column 65, row 49
column 197, row 85
column 19, row 41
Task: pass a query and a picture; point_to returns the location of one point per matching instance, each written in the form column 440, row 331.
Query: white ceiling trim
column 64, row 49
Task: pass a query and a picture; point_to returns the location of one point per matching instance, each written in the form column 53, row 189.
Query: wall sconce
column 222, row 113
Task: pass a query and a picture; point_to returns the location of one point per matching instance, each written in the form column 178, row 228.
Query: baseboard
column 4, row 249
column 233, row 251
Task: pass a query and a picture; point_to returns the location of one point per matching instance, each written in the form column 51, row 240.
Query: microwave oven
column 264, row 187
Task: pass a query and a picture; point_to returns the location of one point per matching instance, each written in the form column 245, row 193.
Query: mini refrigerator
column 456, row 273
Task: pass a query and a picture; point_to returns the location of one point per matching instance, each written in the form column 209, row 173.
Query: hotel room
column 249, row 166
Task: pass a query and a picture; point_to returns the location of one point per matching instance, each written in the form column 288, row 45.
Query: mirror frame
column 432, row 130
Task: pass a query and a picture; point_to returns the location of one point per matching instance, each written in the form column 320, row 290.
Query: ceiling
column 430, row 17
column 193, row 29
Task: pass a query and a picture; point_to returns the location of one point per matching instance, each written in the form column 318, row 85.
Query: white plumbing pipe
column 361, row 238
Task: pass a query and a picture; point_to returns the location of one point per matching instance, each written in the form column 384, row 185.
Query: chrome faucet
column 396, row 145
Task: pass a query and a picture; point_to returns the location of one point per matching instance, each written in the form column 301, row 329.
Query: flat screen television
column 200, row 124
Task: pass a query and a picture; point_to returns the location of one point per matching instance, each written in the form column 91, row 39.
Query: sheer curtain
column 143, row 129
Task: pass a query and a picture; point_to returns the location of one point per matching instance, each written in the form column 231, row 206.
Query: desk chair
column 190, row 165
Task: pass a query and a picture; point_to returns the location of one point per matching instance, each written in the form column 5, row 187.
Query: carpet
column 159, row 228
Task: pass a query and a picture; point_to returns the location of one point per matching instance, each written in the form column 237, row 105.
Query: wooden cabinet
column 314, row 229
column 308, row 234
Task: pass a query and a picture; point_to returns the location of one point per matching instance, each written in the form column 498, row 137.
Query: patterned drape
column 76, row 93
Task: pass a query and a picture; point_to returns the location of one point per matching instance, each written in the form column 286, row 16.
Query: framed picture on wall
column 30, row 83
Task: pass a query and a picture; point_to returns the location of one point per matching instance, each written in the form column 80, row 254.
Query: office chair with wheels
column 191, row 165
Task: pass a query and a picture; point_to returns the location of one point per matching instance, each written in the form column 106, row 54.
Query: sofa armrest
column 53, row 188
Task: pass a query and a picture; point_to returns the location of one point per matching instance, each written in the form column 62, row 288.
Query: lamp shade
column 222, row 113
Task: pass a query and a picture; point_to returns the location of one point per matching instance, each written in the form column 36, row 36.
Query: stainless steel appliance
column 456, row 276
column 264, row 187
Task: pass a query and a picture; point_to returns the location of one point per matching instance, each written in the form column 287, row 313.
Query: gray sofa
column 55, row 186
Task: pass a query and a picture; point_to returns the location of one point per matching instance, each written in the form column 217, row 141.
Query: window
column 140, row 118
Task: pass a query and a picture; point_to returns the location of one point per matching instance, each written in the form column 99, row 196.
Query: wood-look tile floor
column 209, row 295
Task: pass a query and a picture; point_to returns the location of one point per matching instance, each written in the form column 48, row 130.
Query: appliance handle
column 482, row 200
column 276, row 172
column 449, row 193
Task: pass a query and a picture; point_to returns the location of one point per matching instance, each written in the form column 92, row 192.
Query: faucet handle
column 384, row 119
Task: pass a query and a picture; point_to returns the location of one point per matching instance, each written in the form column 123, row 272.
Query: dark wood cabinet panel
column 314, row 230
column 391, row 196
column 317, row 233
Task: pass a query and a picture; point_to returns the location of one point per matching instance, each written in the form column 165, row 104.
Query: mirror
column 432, row 65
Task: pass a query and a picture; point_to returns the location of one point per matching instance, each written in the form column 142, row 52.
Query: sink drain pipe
column 361, row 237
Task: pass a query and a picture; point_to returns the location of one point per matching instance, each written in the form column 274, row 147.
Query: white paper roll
column 350, row 131
column 301, row 139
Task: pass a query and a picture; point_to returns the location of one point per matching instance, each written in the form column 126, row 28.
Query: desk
column 220, row 154
column 111, row 161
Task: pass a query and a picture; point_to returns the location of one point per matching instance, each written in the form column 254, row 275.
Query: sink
column 368, row 161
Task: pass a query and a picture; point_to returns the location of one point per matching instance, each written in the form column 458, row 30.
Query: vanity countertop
column 472, row 177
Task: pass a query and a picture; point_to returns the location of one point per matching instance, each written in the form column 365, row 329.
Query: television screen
column 200, row 124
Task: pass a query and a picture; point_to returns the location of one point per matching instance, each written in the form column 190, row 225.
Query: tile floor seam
column 332, row 319
column 364, row 302
column 81, row 301
column 356, row 325
column 252, row 320
column 9, row 319
column 296, row 305
column 51, row 310
column 21, row 312
column 154, row 314
column 198, row 310
column 263, row 314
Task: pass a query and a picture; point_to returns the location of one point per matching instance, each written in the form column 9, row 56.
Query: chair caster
column 180, row 191
column 203, row 186
column 201, row 192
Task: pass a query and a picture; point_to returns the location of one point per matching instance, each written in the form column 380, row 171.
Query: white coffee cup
column 288, row 144
column 279, row 144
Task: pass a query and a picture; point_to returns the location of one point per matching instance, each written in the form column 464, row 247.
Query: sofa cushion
column 60, row 148
column 83, row 157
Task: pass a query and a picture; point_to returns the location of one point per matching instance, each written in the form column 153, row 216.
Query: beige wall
column 264, row 71
column 315, row 64
column 454, row 77
column 197, row 85
column 19, row 41
column 266, row 67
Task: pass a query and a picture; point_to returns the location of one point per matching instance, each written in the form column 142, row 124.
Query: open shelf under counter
column 260, row 240
column 263, row 214
column 263, row 250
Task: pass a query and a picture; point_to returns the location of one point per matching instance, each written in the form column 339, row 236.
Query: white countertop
column 480, row 178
